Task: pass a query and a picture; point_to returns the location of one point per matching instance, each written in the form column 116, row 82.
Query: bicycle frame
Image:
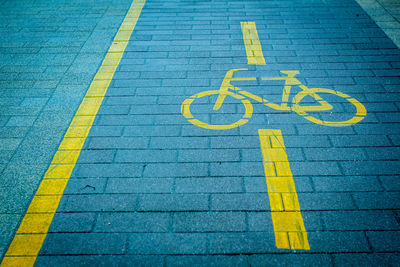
column 290, row 81
column 227, row 89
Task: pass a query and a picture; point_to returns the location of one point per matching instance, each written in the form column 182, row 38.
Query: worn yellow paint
column 52, row 187
column 290, row 232
column 25, row 245
column 44, row 204
column 18, row 261
column 36, row 222
column 59, row 171
column 252, row 43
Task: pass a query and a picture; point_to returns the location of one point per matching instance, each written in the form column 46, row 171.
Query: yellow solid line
column 252, row 43
column 289, row 229
column 32, row 232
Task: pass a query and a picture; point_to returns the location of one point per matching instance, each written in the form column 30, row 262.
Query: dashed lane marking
column 290, row 232
column 252, row 43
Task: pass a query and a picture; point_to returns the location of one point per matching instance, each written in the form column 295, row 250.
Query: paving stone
column 217, row 260
column 72, row 223
column 209, row 222
column 96, row 156
column 390, row 183
column 240, row 202
column 101, row 260
column 344, row 241
column 167, row 243
column 175, row 170
column 384, row 240
column 149, row 222
column 173, row 202
column 366, row 259
column 359, row 220
column 377, row 200
column 209, row 185
column 87, row 203
column 370, row 168
column 292, row 260
column 145, row 156
column 346, row 184
column 210, row 155
column 230, row 243
column 109, row 170
column 78, row 243
column 139, row 185
column 85, row 186
column 118, row 143
column 326, row 201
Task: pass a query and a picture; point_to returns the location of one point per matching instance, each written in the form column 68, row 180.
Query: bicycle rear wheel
column 359, row 115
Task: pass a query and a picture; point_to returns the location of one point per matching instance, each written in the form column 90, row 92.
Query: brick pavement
column 149, row 187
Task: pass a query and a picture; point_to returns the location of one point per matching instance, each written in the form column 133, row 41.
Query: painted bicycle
column 228, row 90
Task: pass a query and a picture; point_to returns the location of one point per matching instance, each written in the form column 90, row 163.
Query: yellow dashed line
column 289, row 229
column 32, row 232
column 252, row 43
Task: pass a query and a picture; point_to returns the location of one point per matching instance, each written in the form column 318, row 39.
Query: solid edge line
column 33, row 229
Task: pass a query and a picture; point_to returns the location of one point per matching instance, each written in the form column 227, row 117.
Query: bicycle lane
column 148, row 182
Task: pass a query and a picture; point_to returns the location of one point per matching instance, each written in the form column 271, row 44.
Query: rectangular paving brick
column 118, row 143
column 209, row 222
column 109, row 170
column 213, row 260
column 96, row 156
column 346, row 183
column 146, row 156
column 178, row 142
column 377, row 200
column 209, row 155
column 209, row 185
column 384, row 241
column 139, row 185
column 232, row 243
column 103, row 202
column 168, row 243
column 329, row 154
column 72, row 223
column 85, row 186
column 90, row 243
column 365, row 258
column 173, row 202
column 175, row 170
column 344, row 241
column 326, row 201
column 359, row 220
column 100, row 259
column 240, row 202
column 148, row 222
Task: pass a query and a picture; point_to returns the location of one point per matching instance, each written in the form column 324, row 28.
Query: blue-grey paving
column 151, row 188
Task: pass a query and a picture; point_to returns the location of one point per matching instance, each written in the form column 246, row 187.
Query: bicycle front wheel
column 360, row 111
column 185, row 110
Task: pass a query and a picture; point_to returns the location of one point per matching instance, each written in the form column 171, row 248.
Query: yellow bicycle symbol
column 227, row 89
